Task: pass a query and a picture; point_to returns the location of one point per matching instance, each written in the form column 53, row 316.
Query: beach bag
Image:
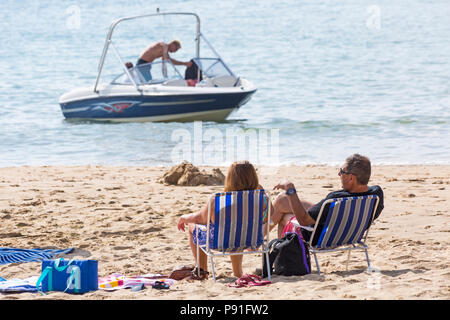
column 70, row 276
column 288, row 256
column 181, row 272
column 188, row 272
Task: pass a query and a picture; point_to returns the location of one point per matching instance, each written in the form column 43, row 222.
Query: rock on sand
column 186, row 174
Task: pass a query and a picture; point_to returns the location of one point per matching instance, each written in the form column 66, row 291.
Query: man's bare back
column 161, row 50
column 154, row 51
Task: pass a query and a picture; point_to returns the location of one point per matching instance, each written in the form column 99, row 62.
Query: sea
column 334, row 78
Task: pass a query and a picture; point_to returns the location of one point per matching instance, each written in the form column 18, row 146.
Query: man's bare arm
column 296, row 205
column 177, row 63
column 180, row 63
column 300, row 213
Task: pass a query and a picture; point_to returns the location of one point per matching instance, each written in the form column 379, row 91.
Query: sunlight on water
column 333, row 78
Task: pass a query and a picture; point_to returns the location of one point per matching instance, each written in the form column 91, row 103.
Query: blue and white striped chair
column 238, row 225
column 345, row 226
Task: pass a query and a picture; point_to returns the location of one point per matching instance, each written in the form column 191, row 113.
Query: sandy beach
column 124, row 218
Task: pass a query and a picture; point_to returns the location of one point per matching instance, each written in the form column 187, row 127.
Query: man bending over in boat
column 160, row 50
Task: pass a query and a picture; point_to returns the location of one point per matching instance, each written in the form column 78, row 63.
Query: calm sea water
column 333, row 78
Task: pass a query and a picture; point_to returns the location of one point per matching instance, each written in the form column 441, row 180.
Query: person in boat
column 160, row 50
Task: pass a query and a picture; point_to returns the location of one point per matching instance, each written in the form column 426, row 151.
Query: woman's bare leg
column 203, row 258
column 236, row 262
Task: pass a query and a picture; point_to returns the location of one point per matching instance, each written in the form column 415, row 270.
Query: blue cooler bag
column 71, row 276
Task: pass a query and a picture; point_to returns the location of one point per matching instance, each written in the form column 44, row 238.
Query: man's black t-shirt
column 314, row 210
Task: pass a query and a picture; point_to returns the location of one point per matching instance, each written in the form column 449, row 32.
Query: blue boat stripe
column 173, row 103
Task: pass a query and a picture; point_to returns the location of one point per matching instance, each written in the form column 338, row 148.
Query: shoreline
column 122, row 217
column 306, row 164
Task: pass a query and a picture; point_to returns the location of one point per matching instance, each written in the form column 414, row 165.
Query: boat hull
column 155, row 107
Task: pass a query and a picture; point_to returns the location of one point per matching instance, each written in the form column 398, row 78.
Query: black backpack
column 288, row 256
column 192, row 72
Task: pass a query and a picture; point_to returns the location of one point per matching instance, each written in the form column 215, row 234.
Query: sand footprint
column 122, row 247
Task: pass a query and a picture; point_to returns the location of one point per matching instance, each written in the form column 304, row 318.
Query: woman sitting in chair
column 241, row 176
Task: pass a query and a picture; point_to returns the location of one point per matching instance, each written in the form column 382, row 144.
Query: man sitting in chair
column 354, row 175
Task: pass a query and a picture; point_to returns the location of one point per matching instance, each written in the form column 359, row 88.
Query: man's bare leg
column 283, row 212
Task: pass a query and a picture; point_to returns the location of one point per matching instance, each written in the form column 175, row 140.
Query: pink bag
column 292, row 227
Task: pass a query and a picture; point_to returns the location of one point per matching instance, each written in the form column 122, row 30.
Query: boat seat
column 207, row 82
column 220, row 81
column 175, row 83
column 224, row 81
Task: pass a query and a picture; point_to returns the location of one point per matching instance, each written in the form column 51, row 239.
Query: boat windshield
column 213, row 67
column 149, row 73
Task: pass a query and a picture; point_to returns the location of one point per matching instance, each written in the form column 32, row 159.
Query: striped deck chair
column 345, row 227
column 238, row 225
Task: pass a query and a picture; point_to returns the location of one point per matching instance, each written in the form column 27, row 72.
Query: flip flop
column 239, row 283
column 160, row 285
column 254, row 280
column 249, row 280
column 194, row 274
column 138, row 287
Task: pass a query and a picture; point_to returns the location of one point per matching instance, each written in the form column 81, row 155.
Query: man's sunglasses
column 343, row 172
